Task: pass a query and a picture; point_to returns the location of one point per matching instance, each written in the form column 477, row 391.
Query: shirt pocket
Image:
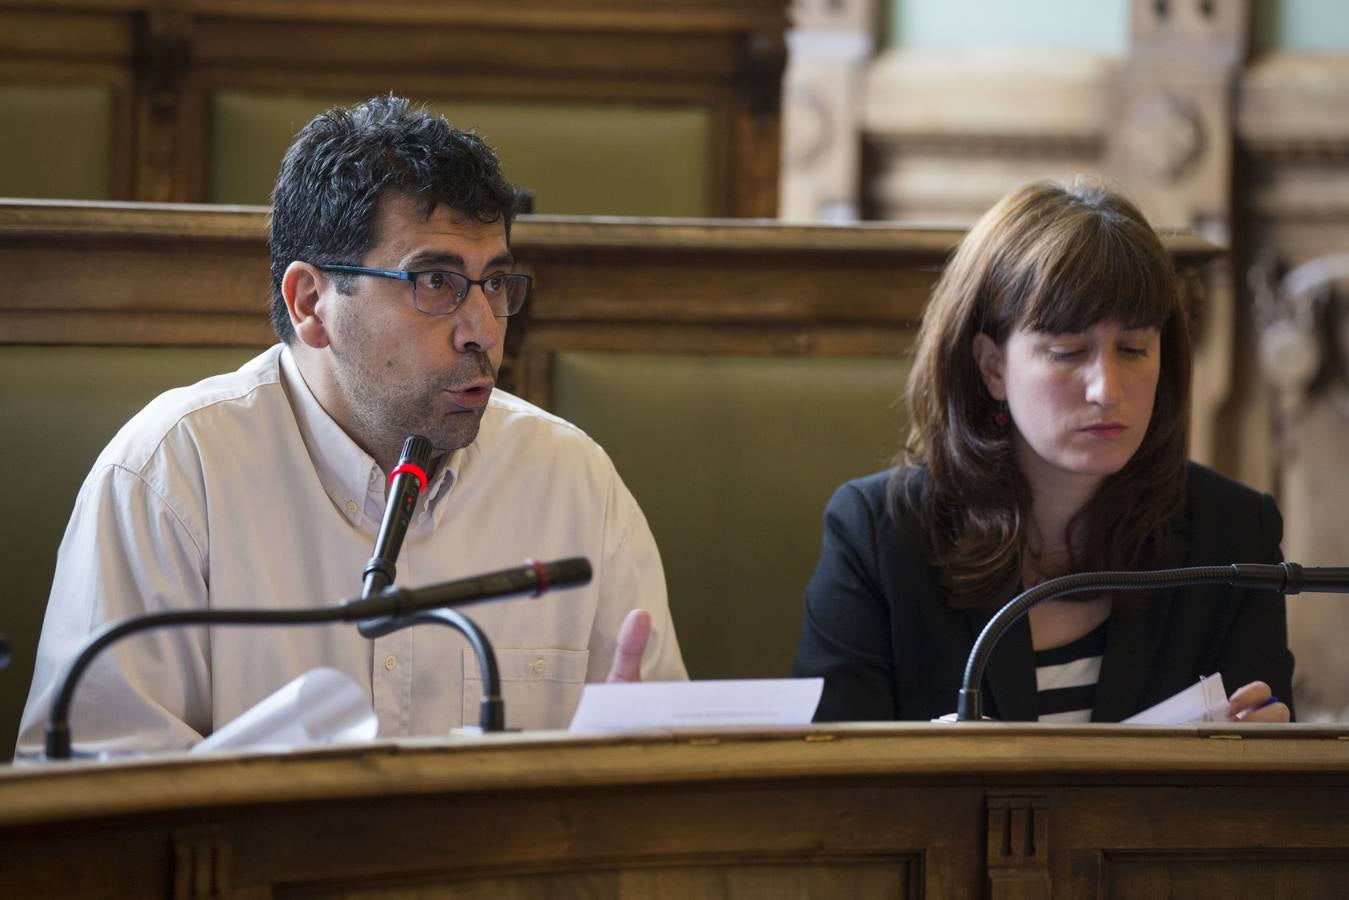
column 540, row 687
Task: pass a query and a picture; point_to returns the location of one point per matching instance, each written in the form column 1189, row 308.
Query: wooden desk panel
column 842, row 811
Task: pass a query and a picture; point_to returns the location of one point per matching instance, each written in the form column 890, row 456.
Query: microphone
column 534, row 577
column 406, row 483
column 397, row 608
column 1286, row 578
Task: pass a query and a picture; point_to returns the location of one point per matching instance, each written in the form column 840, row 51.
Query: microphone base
column 969, row 706
column 492, row 714
column 58, row 741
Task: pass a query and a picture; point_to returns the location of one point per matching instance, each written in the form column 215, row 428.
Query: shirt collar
column 351, row 478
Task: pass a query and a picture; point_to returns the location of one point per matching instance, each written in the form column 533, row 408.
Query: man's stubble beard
column 387, row 419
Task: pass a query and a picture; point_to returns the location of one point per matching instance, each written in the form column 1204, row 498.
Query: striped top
column 1065, row 677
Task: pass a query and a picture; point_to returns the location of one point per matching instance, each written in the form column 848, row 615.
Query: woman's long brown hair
column 1056, row 259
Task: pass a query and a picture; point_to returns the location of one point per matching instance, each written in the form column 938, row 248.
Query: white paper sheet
column 321, row 706
column 685, row 704
column 1202, row 702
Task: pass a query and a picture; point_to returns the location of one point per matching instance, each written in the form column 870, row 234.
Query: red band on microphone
column 409, row 467
column 541, row 572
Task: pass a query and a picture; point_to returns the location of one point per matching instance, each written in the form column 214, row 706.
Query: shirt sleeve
column 125, row 552
column 631, row 577
column 845, row 623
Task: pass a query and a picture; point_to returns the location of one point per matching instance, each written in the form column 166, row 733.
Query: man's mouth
column 473, row 395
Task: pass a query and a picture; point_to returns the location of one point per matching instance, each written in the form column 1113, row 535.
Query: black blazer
column 877, row 627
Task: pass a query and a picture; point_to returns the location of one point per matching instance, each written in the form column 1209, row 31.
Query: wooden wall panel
column 166, row 58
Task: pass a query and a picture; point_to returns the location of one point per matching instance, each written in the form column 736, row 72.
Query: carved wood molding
column 1295, row 109
column 1288, row 107
column 202, row 860
column 1015, row 99
column 1017, row 845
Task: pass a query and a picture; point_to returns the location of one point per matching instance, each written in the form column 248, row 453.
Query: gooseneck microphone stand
column 491, row 708
column 1286, row 578
column 401, row 604
column 4, row 651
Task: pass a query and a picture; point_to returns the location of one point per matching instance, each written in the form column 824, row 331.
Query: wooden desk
column 842, row 811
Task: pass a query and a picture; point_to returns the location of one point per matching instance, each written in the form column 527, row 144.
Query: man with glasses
column 392, row 284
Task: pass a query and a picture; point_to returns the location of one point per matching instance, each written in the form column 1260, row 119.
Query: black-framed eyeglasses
column 437, row 292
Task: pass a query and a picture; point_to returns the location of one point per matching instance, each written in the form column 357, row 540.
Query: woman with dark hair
column 1049, row 400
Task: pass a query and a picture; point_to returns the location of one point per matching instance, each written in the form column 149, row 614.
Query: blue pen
column 1270, row 702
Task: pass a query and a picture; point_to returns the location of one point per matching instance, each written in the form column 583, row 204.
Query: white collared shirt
column 241, row 492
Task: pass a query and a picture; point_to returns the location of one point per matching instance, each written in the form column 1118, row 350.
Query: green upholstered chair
column 732, row 459
column 59, row 406
column 56, row 141
column 577, row 158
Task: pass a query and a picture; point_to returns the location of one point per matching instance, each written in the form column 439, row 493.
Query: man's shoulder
column 509, row 416
column 201, row 412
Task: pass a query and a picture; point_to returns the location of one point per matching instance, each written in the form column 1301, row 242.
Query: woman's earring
column 1000, row 416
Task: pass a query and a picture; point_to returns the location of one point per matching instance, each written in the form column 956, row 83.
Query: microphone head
column 570, row 572
column 416, row 449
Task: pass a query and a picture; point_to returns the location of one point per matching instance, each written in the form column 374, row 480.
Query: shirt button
column 351, row 507
column 390, row 662
column 539, row 666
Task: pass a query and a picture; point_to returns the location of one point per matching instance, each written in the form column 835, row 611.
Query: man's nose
column 476, row 327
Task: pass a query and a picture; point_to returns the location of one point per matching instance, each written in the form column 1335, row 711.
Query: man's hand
column 632, row 635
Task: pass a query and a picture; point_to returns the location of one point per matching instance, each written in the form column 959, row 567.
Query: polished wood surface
column 166, row 274
column 829, row 811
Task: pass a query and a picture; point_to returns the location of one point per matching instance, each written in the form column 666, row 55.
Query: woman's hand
column 1256, row 703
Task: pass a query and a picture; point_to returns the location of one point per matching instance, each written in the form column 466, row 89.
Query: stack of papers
column 698, row 704
column 1204, row 702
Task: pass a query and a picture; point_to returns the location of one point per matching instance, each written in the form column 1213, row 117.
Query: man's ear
column 988, row 357
column 301, row 287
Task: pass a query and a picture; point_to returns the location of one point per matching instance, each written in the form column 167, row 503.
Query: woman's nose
column 1103, row 381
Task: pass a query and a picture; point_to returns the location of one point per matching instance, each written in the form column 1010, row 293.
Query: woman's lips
column 1105, row 430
